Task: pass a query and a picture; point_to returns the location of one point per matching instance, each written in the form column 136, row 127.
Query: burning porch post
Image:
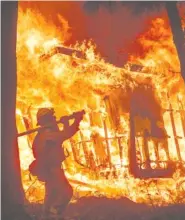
column 113, row 115
column 182, row 114
column 107, row 142
column 100, row 151
column 99, row 148
column 146, row 150
column 86, row 155
column 174, row 128
column 156, row 150
column 75, row 156
column 164, row 143
column 92, row 162
column 132, row 147
column 120, row 150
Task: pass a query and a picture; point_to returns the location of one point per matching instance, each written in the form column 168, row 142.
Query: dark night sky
column 114, row 31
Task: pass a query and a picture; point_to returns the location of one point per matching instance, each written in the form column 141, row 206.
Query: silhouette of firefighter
column 49, row 155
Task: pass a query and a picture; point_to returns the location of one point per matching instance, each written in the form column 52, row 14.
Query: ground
column 94, row 208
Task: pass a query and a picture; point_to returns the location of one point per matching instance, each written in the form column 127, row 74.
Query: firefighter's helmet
column 42, row 112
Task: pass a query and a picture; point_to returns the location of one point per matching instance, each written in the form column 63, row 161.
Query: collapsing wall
column 150, row 154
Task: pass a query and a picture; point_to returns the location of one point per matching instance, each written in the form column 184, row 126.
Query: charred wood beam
column 63, row 50
column 156, row 173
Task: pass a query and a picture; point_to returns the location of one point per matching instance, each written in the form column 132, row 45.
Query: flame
column 69, row 84
column 160, row 50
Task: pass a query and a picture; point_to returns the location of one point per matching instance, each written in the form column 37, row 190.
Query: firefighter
column 49, row 155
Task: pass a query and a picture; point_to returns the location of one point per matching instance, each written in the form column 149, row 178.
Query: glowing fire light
column 57, row 82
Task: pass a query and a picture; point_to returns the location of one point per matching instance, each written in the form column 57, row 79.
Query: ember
column 121, row 150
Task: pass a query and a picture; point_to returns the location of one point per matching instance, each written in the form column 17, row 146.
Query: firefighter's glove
column 79, row 115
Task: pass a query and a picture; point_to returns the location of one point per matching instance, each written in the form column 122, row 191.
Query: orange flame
column 69, row 84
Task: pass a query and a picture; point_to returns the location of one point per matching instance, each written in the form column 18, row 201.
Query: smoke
column 112, row 26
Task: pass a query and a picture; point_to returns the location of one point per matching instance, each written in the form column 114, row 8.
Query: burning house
column 133, row 131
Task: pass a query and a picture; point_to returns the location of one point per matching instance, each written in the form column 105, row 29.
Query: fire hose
column 62, row 120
